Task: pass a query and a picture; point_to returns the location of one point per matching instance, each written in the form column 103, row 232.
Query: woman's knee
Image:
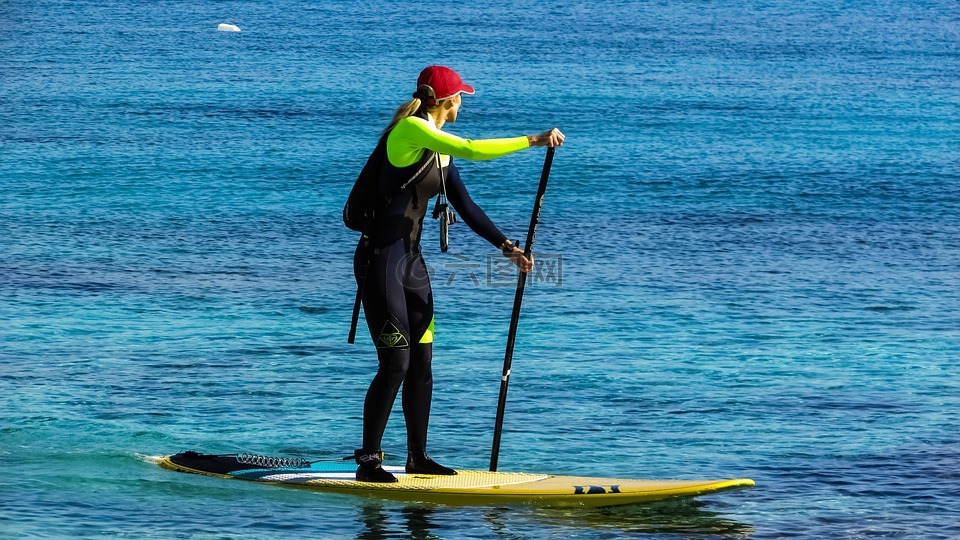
column 394, row 364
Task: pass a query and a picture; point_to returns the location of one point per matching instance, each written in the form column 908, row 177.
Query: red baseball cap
column 444, row 81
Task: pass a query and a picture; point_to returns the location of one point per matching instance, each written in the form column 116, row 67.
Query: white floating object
column 224, row 27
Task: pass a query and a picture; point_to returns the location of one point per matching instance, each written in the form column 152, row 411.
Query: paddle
column 517, row 301
column 355, row 318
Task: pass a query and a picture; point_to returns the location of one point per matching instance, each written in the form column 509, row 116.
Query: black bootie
column 370, row 467
column 420, row 463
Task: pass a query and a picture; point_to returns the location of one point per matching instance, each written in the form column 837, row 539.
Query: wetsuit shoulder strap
column 418, row 171
column 422, row 167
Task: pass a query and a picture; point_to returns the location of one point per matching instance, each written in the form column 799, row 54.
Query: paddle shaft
column 355, row 318
column 517, row 302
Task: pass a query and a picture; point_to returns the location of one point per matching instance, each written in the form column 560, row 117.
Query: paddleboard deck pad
column 465, row 488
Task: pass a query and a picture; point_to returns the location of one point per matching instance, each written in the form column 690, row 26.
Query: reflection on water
column 381, row 520
column 681, row 516
column 404, row 522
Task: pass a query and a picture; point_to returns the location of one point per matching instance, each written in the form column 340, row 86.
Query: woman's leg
column 417, row 396
column 384, row 307
column 418, row 384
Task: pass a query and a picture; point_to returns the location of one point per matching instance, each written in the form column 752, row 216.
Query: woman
column 397, row 300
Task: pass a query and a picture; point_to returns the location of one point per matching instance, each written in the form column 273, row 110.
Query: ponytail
column 407, row 109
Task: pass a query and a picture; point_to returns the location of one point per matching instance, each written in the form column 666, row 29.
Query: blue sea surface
column 749, row 262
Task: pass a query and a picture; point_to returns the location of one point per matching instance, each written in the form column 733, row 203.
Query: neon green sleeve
column 410, row 136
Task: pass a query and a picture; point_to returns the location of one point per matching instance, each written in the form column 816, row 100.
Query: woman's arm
column 411, row 135
column 472, row 215
column 479, row 222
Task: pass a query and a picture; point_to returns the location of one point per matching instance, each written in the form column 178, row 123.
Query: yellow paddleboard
column 466, row 488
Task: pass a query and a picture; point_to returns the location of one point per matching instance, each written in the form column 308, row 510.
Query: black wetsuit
column 398, row 301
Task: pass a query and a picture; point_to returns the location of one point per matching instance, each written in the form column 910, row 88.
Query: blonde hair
column 411, row 108
column 407, row 109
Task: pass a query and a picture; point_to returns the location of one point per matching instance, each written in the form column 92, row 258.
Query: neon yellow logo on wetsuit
column 391, row 337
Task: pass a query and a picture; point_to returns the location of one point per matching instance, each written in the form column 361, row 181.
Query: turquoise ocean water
column 750, row 251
